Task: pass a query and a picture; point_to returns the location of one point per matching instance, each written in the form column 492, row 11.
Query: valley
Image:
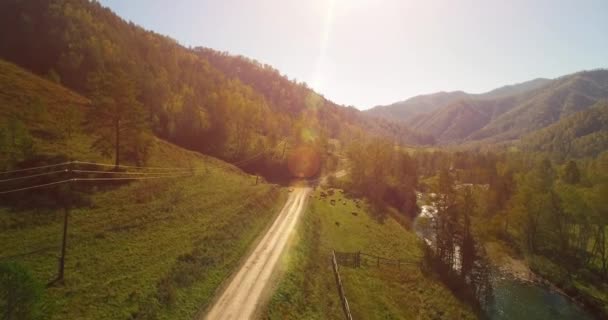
column 146, row 175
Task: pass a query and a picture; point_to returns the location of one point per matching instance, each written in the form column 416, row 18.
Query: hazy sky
column 370, row 52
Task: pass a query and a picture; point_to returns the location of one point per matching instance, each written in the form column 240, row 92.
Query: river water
column 514, row 299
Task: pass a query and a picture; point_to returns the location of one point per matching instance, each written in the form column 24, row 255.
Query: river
column 515, row 299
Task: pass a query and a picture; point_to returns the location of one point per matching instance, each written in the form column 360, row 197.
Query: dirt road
column 242, row 296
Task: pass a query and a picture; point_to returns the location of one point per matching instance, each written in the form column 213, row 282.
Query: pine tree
column 116, row 113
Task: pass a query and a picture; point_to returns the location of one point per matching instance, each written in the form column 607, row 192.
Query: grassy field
column 153, row 249
column 308, row 289
column 160, row 247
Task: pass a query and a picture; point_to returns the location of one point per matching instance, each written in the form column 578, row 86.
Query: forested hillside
column 130, row 240
column 583, row 134
column 79, row 44
column 285, row 95
column 229, row 107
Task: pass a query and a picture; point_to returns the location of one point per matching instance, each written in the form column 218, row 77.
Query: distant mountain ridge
column 503, row 114
column 426, row 103
column 514, row 89
column 406, row 109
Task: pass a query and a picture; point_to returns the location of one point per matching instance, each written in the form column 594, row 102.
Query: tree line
column 554, row 214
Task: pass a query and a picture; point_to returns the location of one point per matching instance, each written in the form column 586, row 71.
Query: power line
column 131, row 173
column 238, row 163
column 36, row 168
column 92, row 179
column 34, row 175
column 134, row 178
column 126, row 166
column 250, row 159
column 91, row 163
column 37, row 186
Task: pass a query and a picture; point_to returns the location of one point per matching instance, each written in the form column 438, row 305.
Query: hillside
column 296, row 98
column 583, row 134
column 194, row 98
column 155, row 248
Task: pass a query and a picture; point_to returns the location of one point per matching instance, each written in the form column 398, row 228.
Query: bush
column 20, row 294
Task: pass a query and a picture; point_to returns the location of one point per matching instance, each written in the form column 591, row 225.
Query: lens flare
column 304, row 162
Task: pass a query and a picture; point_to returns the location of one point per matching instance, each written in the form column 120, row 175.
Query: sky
column 373, row 52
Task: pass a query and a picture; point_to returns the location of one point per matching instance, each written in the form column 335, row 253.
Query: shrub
column 20, row 294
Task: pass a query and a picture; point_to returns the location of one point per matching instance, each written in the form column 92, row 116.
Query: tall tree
column 116, row 113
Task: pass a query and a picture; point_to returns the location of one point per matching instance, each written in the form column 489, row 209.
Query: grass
column 134, row 238
column 150, row 249
column 308, row 289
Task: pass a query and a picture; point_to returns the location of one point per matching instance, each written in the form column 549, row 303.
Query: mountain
column 422, row 104
column 509, row 112
column 560, row 98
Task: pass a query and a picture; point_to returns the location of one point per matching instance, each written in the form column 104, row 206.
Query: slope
column 155, row 248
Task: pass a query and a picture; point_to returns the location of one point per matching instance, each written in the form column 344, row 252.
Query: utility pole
column 67, row 208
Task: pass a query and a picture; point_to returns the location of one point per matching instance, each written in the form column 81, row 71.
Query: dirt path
column 242, row 296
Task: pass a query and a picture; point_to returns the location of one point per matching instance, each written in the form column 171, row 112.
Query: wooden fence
column 359, row 259
column 343, row 299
